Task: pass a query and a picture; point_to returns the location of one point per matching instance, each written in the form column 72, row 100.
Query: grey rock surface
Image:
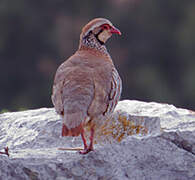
column 166, row 149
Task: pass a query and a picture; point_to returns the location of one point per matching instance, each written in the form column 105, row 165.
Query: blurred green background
column 155, row 55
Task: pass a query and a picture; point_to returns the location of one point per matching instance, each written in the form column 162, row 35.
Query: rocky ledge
column 142, row 140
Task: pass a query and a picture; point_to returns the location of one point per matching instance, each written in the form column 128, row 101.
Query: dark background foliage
column 154, row 55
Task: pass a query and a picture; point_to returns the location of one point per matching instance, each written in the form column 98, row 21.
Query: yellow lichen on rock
column 118, row 127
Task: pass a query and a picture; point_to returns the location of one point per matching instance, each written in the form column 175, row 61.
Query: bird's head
column 100, row 28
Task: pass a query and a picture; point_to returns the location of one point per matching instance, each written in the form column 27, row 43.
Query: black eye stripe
column 96, row 36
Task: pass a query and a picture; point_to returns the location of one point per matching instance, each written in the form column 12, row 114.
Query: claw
column 86, row 148
column 85, row 151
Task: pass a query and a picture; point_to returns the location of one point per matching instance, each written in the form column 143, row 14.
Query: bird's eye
column 106, row 26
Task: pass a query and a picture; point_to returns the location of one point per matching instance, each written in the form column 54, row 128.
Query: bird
column 87, row 86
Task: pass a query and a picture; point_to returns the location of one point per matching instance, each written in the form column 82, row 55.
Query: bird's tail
column 73, row 131
column 73, row 123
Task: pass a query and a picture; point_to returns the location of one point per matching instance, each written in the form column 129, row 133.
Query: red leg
column 81, row 150
column 91, row 139
column 84, row 140
column 90, row 148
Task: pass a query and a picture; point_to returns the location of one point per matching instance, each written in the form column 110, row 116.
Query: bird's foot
column 6, row 149
column 86, row 150
column 90, row 147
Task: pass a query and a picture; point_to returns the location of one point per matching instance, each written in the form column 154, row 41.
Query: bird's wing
column 57, row 88
column 107, row 91
column 73, row 92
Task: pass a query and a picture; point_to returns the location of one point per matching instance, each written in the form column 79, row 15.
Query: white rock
column 151, row 141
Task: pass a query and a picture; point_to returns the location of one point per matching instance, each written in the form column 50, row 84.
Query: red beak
column 114, row 30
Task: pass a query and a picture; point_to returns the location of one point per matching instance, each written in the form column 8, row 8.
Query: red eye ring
column 111, row 29
column 105, row 26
